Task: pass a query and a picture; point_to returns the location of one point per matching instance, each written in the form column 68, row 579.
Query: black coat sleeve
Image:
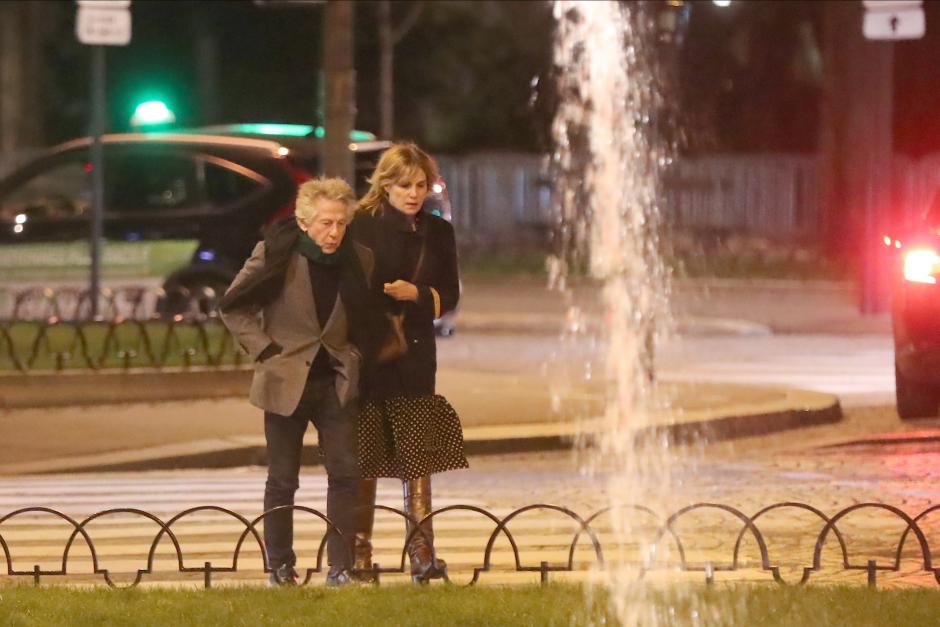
column 439, row 281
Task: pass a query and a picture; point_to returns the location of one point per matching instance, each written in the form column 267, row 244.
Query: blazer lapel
column 306, row 305
column 336, row 308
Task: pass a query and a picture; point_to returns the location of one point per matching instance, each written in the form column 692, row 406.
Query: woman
column 406, row 430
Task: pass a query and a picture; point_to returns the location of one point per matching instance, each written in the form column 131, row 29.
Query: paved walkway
column 501, row 412
column 754, row 477
column 510, row 408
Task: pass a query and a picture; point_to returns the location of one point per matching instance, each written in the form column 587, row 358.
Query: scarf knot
column 309, row 249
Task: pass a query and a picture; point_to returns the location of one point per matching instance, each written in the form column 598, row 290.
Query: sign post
column 893, row 19
column 886, row 21
column 100, row 23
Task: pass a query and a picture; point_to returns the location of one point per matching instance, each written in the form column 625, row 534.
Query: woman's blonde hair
column 310, row 192
column 395, row 164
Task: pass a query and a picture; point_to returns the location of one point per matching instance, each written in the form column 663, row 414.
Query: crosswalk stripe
column 122, row 541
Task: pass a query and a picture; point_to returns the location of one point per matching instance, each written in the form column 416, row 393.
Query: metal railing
column 50, row 329
column 116, row 344
column 128, row 302
column 769, row 195
column 584, row 530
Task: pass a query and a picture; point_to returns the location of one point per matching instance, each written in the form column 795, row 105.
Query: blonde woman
column 406, row 429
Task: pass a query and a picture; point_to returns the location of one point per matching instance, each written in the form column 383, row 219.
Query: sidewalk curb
column 137, row 385
column 483, row 440
column 926, row 436
column 548, row 324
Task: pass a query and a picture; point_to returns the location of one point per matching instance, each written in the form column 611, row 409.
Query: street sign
column 893, row 19
column 287, row 4
column 101, row 23
column 103, row 4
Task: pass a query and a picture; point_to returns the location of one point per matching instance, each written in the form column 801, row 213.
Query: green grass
column 486, row 605
column 393, row 605
column 95, row 345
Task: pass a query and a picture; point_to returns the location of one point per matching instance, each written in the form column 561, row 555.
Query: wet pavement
column 817, row 468
column 869, row 457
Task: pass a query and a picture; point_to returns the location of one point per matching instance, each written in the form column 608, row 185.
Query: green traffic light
column 152, row 113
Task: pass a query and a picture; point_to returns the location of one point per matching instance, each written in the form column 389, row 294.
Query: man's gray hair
column 309, row 193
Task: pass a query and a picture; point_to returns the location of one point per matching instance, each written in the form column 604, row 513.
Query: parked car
column 217, row 186
column 915, row 315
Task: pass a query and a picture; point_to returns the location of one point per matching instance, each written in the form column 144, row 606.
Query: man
column 296, row 309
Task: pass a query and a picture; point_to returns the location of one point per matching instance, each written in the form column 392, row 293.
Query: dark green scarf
column 309, row 249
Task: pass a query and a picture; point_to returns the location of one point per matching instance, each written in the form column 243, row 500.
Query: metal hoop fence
column 585, row 547
column 43, row 329
column 128, row 302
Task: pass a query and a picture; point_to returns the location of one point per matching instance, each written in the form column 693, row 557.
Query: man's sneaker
column 338, row 577
column 284, row 575
column 365, row 575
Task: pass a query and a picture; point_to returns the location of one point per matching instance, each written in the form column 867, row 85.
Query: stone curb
column 547, row 324
column 801, row 409
column 137, row 385
column 925, row 436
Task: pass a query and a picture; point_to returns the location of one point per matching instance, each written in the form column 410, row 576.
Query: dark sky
column 749, row 75
column 463, row 73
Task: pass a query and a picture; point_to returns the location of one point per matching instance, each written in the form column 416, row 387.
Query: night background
column 472, row 75
column 692, row 259
column 776, row 79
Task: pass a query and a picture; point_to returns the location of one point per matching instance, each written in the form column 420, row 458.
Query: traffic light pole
column 98, row 104
column 856, row 147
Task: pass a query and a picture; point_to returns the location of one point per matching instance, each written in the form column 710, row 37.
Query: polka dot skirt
column 409, row 437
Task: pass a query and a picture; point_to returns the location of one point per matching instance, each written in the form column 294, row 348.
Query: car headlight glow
column 922, row 265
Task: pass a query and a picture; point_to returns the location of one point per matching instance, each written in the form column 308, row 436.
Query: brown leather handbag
column 395, row 345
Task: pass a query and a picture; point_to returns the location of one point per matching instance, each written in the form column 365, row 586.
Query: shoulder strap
column 424, row 248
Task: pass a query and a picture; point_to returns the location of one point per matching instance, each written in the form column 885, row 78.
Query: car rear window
column 224, row 185
column 60, row 191
column 146, row 182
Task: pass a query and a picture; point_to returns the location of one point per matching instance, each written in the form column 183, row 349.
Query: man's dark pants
column 336, row 428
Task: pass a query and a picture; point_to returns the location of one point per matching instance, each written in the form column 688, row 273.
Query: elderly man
column 296, row 308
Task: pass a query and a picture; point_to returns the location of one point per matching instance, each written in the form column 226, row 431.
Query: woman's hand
column 401, row 290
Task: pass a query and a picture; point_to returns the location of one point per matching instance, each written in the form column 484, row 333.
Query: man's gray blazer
column 291, row 321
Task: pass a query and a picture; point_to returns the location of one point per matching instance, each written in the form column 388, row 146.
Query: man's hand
column 401, row 290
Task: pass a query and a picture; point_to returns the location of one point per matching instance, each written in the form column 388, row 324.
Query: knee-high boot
column 365, row 518
column 417, row 497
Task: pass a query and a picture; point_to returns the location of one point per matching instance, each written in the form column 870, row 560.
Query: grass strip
column 130, row 344
column 557, row 604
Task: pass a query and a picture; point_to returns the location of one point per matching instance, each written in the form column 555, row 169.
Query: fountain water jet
column 607, row 167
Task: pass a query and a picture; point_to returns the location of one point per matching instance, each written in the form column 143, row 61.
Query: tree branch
column 408, row 23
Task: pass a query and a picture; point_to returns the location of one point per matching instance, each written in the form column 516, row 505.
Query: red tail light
column 921, row 265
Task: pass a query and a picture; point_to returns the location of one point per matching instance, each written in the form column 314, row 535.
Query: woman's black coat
column 397, row 248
